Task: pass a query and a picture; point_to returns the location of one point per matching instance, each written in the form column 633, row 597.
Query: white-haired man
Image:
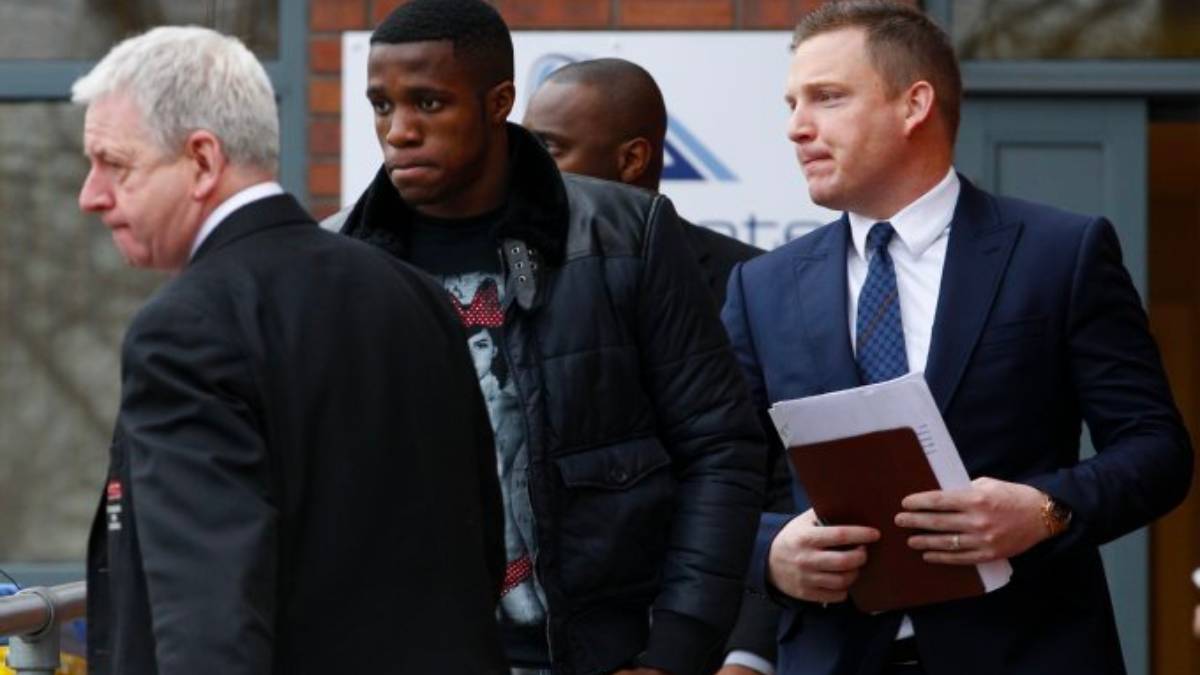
column 282, row 497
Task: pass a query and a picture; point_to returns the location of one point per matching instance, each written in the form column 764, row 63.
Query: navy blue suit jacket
column 1038, row 328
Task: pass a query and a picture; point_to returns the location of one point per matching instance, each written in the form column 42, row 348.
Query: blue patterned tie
column 879, row 335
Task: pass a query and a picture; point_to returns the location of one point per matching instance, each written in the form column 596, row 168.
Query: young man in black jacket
column 631, row 463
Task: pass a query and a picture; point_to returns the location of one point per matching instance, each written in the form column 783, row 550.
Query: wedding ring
column 954, row 543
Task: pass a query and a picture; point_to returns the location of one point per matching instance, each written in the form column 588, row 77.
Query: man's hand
column 815, row 563
column 990, row 520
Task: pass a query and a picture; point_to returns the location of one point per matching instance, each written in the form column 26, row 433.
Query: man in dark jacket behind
column 631, row 464
column 302, row 476
column 606, row 118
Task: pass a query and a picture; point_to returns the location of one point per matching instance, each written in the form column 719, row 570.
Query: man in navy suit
column 1025, row 324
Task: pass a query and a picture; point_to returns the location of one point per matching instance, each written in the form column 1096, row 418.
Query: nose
column 800, row 125
column 95, row 196
column 403, row 129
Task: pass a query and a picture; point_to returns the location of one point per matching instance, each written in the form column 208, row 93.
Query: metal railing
column 32, row 618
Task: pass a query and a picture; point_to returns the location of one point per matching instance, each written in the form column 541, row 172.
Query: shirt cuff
column 746, row 659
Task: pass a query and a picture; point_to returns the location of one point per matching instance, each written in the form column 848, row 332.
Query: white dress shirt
column 238, row 200
column 918, row 252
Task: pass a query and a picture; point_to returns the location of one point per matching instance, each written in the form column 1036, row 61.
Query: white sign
column 729, row 165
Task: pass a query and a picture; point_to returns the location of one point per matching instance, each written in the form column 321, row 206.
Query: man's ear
column 207, row 162
column 633, row 159
column 918, row 101
column 498, row 102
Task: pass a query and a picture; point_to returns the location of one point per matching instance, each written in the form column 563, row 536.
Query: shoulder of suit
column 811, row 243
column 1041, row 221
column 719, row 244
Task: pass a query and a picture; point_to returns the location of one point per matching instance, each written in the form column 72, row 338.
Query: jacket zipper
column 529, row 448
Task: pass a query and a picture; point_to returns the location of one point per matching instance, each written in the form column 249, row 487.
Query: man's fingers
column 839, row 561
column 973, row 557
column 939, row 500
column 935, row 521
column 814, row 594
column 944, row 542
column 832, row 582
column 840, row 535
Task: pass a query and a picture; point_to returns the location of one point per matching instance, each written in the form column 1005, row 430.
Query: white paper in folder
column 903, row 402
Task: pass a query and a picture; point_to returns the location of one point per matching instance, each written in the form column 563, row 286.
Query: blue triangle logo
column 676, row 166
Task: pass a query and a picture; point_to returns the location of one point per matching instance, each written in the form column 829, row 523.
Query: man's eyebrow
column 426, row 90
column 823, row 84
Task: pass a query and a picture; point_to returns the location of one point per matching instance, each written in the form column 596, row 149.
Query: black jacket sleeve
column 709, row 429
column 201, row 482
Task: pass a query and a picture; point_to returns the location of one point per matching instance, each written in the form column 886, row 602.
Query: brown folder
column 861, row 480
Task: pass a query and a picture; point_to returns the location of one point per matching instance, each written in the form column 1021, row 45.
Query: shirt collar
column 237, row 201
column 920, row 223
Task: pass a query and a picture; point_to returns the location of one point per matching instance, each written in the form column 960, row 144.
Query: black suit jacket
column 717, row 254
column 302, row 476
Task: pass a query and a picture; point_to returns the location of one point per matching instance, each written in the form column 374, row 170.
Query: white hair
column 188, row 78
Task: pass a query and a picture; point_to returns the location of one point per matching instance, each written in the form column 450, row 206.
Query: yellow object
column 71, row 664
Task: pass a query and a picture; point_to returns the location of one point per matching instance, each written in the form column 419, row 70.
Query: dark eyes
column 429, row 105
column 425, row 105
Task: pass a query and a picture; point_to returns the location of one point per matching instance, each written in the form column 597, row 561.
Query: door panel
column 1086, row 155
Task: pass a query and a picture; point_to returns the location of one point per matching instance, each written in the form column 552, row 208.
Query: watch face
column 1060, row 512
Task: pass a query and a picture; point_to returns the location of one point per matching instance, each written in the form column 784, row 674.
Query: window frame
column 34, row 80
column 1135, row 77
column 49, row 81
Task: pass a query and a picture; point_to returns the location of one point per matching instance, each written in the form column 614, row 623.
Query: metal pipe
column 33, row 610
column 33, row 617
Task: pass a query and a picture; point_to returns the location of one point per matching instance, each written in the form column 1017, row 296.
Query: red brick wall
column 328, row 18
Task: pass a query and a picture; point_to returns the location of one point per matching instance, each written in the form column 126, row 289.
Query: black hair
column 633, row 102
column 475, row 29
column 628, row 87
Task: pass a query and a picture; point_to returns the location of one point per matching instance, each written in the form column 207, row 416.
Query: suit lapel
column 977, row 255
column 821, row 294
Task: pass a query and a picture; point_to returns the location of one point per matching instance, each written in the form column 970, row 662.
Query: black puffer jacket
column 646, row 460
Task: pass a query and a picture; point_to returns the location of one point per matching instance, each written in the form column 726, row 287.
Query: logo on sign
column 685, row 156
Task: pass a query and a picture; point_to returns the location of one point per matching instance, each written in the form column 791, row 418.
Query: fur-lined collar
column 535, row 212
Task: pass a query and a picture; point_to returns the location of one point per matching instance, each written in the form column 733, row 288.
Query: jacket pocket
column 1010, row 332
column 614, row 524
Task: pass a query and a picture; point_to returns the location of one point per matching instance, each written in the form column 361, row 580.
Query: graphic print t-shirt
column 465, row 258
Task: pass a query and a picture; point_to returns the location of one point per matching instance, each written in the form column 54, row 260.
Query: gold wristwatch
column 1055, row 516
